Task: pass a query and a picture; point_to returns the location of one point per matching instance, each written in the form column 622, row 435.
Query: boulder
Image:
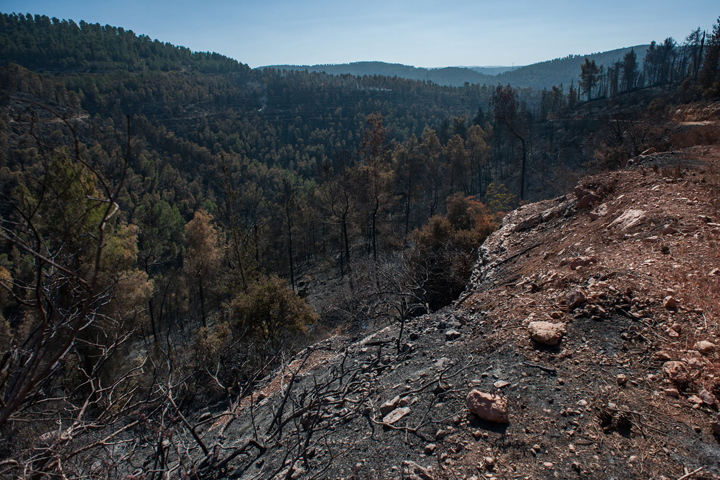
column 493, row 408
column 676, row 372
column 546, row 333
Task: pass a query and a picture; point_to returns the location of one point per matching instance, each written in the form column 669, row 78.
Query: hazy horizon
column 424, row 34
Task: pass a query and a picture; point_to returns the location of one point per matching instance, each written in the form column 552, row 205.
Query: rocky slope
column 587, row 338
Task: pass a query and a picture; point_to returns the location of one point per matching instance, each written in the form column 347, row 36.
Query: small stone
column 546, row 333
column 556, row 315
column 633, row 458
column 621, row 379
column 670, row 303
column 672, row 392
column 415, row 471
column 489, row 463
column 707, row 397
column 501, row 384
column 574, row 298
column 396, row 415
column 430, row 448
column 536, row 447
column 451, row 335
column 548, row 465
column 493, row 408
column 695, row 399
column 440, row 434
column 668, row 230
column 389, row 406
column 705, row 347
column 662, row 355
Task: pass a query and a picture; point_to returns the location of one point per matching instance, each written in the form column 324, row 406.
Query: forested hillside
column 560, row 71
column 174, row 224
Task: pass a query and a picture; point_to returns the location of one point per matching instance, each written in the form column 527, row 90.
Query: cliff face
column 592, row 320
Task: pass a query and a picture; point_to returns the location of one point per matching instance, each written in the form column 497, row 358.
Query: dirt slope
column 629, row 264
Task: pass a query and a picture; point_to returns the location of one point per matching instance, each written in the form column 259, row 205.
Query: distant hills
column 538, row 75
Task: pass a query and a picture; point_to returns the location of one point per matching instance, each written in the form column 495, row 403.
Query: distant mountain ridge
column 559, row 71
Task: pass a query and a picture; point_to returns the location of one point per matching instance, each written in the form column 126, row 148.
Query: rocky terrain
column 585, row 346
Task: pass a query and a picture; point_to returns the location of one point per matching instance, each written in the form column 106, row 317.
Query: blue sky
column 424, row 33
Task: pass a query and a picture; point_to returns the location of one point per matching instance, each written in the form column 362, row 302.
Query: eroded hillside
column 626, row 270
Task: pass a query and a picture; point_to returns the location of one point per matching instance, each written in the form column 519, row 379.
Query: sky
column 422, row 33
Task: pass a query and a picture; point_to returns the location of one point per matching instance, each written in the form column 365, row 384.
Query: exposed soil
column 629, row 263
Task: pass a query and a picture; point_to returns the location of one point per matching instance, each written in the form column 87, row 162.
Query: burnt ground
column 600, row 404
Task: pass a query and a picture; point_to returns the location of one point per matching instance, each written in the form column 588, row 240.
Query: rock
column 529, row 223
column 430, row 448
column 662, row 356
column 668, row 230
column 628, row 219
column 413, row 471
column 493, row 408
column 649, row 151
column 489, row 463
column 440, row 434
column 576, row 263
column 672, row 392
column 707, row 397
column 546, row 333
column 588, row 200
column 670, row 303
column 676, row 372
column 574, row 298
column 704, row 347
column 441, row 387
column 580, row 192
column 715, row 425
column 389, row 406
column 714, row 272
column 501, row 384
column 548, row 465
column 452, row 335
column 621, row 379
column 396, row 415
column 695, row 399
column 556, row 315
column 600, row 211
